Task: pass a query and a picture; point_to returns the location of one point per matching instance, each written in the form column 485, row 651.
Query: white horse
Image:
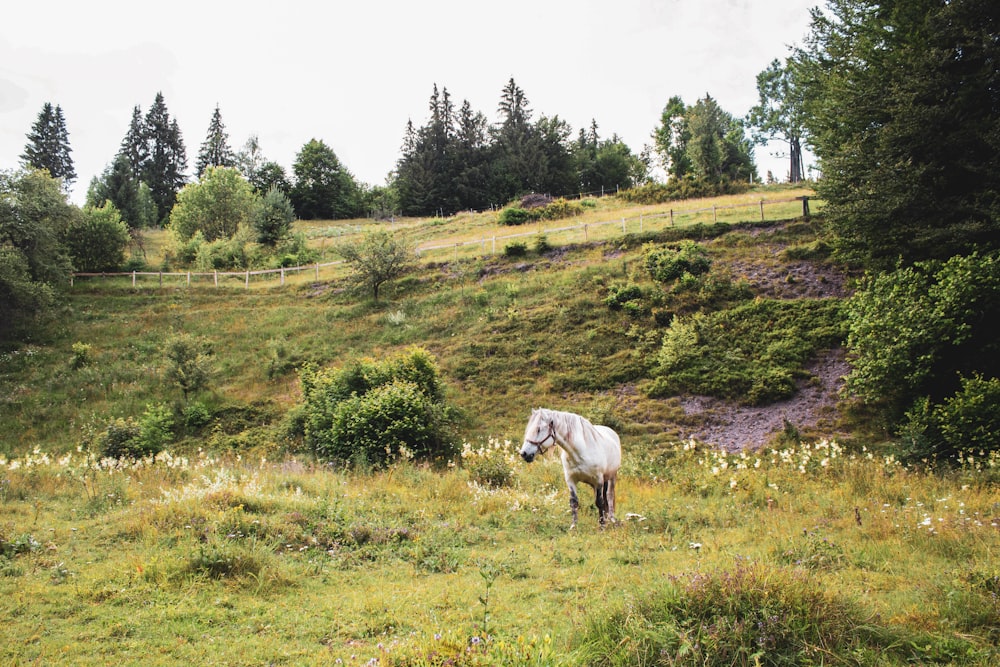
column 590, row 453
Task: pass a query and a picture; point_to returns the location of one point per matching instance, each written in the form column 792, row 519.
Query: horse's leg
column 601, row 500
column 574, row 502
column 611, row 498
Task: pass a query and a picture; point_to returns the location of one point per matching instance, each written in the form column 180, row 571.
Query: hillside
column 509, row 332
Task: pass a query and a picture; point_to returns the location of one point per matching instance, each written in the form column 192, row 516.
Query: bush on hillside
column 668, row 263
column 374, row 412
column 924, row 341
column 752, row 353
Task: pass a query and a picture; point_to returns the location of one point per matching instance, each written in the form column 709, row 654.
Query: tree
column 48, row 146
column 703, row 141
column 215, row 150
column 135, row 147
column 902, row 104
column 377, row 259
column 97, row 239
column 166, row 162
column 670, row 139
column 717, row 147
column 217, row 206
column 34, row 262
column 779, row 113
column 189, row 362
column 272, row 217
column 118, row 185
column 323, row 189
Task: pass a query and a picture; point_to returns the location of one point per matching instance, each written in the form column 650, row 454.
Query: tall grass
column 786, row 556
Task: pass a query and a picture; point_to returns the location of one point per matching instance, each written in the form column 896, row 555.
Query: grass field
column 239, row 548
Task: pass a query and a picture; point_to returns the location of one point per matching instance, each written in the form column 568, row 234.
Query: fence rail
column 639, row 223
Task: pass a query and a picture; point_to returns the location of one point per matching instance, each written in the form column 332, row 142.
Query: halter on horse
column 590, row 453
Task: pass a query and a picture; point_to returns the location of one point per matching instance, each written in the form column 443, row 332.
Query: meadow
column 235, row 546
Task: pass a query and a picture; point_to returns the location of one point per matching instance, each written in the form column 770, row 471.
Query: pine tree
column 215, row 151
column 164, row 168
column 135, row 147
column 48, row 146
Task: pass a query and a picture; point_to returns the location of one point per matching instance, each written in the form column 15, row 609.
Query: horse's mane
column 564, row 418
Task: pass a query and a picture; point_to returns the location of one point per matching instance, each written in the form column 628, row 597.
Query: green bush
column 131, row 438
column 391, row 422
column 682, row 188
column 97, row 239
column 967, row 422
column 514, row 215
column 668, row 263
column 621, row 294
column 376, row 411
column 515, row 249
column 752, row 353
column 915, row 333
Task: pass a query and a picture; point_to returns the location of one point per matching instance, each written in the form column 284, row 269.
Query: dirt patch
column 791, row 279
column 733, row 427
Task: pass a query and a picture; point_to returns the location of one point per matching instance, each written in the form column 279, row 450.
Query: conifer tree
column 48, row 146
column 166, row 163
column 215, row 150
column 134, row 147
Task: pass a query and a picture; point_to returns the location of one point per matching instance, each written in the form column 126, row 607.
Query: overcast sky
column 352, row 73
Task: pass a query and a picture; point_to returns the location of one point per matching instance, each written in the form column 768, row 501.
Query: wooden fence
column 755, row 212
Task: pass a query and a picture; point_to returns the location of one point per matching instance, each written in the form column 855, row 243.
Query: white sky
column 352, row 73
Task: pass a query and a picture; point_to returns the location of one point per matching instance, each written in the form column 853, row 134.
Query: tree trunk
column 795, row 173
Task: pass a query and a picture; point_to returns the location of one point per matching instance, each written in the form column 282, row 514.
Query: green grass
column 211, row 560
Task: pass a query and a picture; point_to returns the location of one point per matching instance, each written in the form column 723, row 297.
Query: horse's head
column 538, row 436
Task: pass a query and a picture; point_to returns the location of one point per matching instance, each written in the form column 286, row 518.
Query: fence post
column 282, row 275
column 805, row 206
column 189, row 279
column 317, row 271
column 671, row 217
column 586, row 237
column 715, row 214
column 247, row 283
column 494, row 244
column 216, row 277
column 640, row 223
column 133, row 279
column 161, row 278
column 762, row 210
column 623, row 224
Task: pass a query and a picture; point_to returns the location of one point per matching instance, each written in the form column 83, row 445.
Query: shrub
column 491, row 465
column 915, row 333
column 515, row 249
column 668, row 263
column 395, row 421
column 967, row 422
column 376, row 411
column 514, row 215
column 156, row 428
column 189, row 362
column 542, row 244
column 619, row 295
column 751, row 353
column 196, row 414
column 81, row 354
column 97, row 239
